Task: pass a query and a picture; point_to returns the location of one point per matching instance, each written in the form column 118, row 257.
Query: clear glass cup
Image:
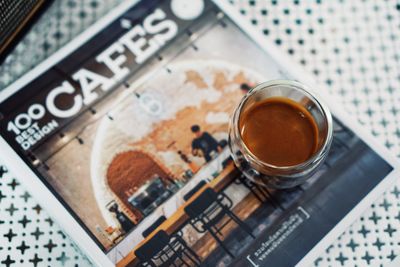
column 269, row 175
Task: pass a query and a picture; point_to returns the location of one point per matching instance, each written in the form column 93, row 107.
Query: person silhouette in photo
column 124, row 221
column 203, row 144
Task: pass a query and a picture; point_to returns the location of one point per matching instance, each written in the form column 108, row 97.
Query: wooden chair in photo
column 154, row 226
column 162, row 250
column 207, row 212
column 195, row 189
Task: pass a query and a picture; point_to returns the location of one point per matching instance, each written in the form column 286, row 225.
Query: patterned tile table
column 351, row 46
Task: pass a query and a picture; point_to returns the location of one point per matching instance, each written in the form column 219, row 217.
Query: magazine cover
column 130, row 130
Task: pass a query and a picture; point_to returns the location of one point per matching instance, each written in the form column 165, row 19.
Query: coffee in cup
column 280, row 133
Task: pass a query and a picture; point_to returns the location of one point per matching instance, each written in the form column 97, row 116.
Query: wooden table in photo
column 179, row 218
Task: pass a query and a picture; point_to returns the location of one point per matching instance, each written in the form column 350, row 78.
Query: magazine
column 108, row 130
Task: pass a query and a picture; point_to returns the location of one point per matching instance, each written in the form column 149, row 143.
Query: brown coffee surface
column 279, row 131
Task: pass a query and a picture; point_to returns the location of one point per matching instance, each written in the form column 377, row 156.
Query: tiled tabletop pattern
column 351, row 46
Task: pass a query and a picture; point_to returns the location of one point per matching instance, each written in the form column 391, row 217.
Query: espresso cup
column 277, row 175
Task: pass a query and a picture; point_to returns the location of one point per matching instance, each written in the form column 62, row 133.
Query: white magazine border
column 54, row 207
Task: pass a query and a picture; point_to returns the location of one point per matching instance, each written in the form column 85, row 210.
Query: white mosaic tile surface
column 352, row 46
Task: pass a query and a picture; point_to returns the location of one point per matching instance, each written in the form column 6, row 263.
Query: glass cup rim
column 308, row 93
